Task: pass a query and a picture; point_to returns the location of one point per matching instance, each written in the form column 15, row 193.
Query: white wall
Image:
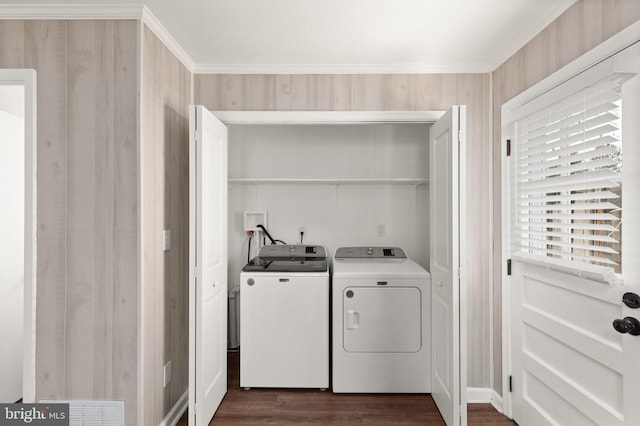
column 11, row 241
column 334, row 215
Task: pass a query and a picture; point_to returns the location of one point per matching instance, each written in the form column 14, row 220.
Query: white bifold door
column 446, row 163
column 208, row 264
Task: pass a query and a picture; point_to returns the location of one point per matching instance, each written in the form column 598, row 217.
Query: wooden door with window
column 574, row 263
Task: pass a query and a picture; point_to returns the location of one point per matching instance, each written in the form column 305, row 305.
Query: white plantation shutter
column 566, row 178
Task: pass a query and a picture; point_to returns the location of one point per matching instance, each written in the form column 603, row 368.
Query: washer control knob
column 251, row 281
column 369, row 251
column 292, row 249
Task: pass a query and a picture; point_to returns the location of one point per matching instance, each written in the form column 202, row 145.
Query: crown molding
column 413, row 68
column 167, row 39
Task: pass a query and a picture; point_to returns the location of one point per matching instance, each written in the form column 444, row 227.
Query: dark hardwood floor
column 284, row 406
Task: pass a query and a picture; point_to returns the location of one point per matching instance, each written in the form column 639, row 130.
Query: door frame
column 374, row 117
column 28, row 79
column 587, row 61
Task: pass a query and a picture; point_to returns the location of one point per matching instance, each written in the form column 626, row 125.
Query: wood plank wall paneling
column 319, row 92
column 166, row 95
column 87, row 204
column 44, row 51
column 120, row 183
column 81, row 211
column 579, row 29
column 101, row 212
column 393, row 92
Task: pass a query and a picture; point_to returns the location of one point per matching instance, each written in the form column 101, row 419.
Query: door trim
column 27, row 78
column 610, row 47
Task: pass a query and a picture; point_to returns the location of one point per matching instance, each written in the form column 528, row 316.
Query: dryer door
column 382, row 319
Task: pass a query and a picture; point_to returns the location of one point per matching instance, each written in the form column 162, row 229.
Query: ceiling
column 338, row 36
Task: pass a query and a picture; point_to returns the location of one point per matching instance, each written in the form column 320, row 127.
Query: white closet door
column 208, row 264
column 445, row 142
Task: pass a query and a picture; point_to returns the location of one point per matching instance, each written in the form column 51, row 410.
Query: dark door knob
column 627, row 325
column 632, row 300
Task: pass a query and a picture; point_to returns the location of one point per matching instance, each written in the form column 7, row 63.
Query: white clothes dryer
column 284, row 318
column 381, row 322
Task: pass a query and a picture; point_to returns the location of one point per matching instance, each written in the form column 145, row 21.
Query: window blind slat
column 580, row 186
column 576, row 246
column 572, row 216
column 571, row 207
column 579, row 196
column 607, row 101
column 591, row 227
column 570, row 140
column 580, row 166
column 559, row 182
column 602, row 151
column 578, row 128
column 532, row 132
column 585, row 237
column 564, row 255
column 594, row 94
column 571, row 149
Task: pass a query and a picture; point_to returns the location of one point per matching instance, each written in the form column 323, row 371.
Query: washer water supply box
column 253, row 219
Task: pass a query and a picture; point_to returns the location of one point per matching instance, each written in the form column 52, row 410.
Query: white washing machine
column 381, row 322
column 284, row 318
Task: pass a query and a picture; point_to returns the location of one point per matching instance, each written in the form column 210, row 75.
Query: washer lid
column 289, row 258
column 370, row 253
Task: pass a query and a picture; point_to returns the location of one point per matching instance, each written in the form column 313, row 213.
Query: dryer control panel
column 370, row 253
column 288, row 251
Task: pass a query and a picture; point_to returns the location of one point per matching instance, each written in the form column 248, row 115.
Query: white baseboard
column 172, row 417
column 479, row 395
column 496, row 401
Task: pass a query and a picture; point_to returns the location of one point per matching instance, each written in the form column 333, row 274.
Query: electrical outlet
column 166, row 239
column 301, row 228
column 382, row 230
column 166, row 374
